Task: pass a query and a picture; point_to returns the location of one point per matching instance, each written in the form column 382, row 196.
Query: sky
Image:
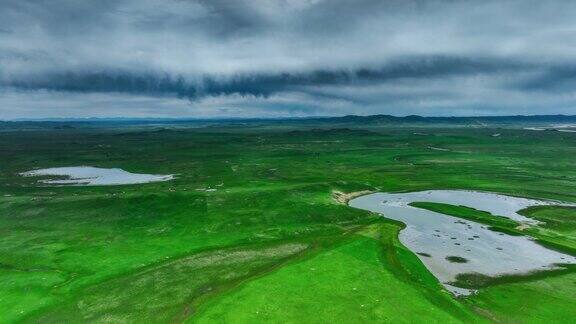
column 286, row 58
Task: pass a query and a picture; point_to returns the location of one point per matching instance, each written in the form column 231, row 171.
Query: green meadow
column 250, row 230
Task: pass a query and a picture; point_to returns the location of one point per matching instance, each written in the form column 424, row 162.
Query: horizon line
column 102, row 119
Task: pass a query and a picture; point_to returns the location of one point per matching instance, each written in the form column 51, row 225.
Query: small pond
column 91, row 176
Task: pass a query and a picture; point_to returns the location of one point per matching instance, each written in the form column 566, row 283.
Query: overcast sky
column 272, row 58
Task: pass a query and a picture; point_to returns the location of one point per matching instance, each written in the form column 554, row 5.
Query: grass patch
column 166, row 293
column 557, row 218
column 468, row 213
column 456, row 259
column 548, row 299
column 477, row 280
column 355, row 270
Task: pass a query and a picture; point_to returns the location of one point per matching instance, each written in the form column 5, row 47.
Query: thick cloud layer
column 204, row 58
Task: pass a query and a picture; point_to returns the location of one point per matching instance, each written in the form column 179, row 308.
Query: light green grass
column 547, row 300
column 362, row 287
column 557, row 219
column 62, row 250
column 165, row 292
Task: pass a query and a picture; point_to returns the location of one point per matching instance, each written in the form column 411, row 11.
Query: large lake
column 439, row 238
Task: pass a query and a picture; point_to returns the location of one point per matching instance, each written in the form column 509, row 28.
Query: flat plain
column 251, row 229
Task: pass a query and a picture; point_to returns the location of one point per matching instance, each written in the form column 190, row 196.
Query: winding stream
column 449, row 246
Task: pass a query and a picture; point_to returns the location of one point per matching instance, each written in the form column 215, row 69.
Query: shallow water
column 437, row 236
column 91, row 176
column 562, row 128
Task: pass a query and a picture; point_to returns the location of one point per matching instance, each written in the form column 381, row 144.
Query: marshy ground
column 478, row 250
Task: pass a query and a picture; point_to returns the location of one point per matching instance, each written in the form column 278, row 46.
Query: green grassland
column 270, row 244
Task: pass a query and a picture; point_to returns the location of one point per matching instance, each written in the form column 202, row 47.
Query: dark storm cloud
column 556, row 79
column 286, row 57
column 262, row 84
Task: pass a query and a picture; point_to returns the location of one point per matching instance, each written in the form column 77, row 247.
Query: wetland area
column 451, row 247
column 286, row 222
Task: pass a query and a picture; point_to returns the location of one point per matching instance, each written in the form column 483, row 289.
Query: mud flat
column 450, row 246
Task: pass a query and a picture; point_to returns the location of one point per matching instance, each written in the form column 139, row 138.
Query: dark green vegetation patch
column 456, row 259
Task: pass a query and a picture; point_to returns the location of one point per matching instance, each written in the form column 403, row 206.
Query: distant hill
column 388, row 119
